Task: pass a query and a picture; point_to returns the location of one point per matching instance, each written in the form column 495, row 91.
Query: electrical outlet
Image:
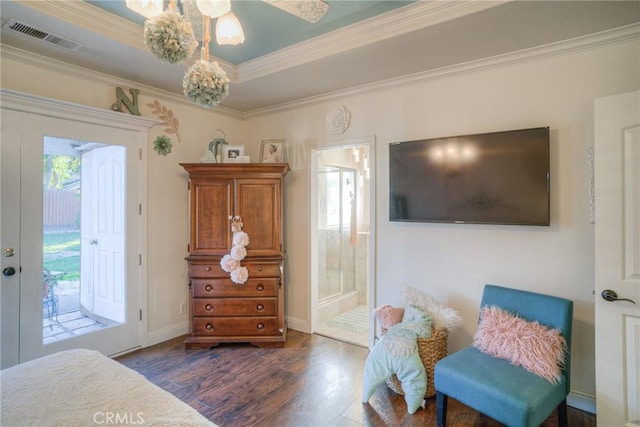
column 183, row 308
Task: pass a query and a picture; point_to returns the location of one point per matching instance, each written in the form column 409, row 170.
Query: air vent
column 40, row 34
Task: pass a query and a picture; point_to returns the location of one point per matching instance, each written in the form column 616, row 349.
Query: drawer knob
column 208, row 307
column 260, row 326
column 260, row 268
column 208, row 269
column 208, row 327
column 260, row 307
column 260, row 287
column 208, row 288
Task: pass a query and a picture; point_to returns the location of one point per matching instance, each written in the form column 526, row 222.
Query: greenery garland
column 170, row 37
column 206, row 83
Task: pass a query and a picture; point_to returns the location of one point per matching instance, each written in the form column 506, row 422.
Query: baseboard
column 167, row 333
column 582, row 401
column 298, row 324
column 182, row 328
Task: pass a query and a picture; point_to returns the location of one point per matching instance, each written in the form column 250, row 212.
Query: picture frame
column 272, row 151
column 231, row 152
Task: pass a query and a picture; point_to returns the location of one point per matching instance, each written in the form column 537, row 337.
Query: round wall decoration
column 338, row 120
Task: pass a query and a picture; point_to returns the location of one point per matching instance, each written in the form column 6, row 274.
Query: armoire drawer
column 211, row 269
column 231, row 326
column 265, row 287
column 234, row 306
column 263, row 269
column 255, row 269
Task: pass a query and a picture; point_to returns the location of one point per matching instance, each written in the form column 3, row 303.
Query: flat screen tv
column 489, row 178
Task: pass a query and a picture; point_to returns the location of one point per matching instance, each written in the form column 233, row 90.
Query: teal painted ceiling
column 268, row 29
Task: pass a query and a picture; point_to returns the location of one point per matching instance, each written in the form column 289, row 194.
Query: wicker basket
column 430, row 350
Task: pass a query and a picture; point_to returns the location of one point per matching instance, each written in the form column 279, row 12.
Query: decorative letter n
column 131, row 104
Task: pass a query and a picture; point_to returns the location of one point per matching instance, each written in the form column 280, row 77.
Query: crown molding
column 14, row 100
column 12, row 53
column 615, row 36
column 400, row 21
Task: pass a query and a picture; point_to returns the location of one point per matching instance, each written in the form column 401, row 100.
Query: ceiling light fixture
column 213, row 8
column 229, row 30
column 146, row 8
column 170, row 36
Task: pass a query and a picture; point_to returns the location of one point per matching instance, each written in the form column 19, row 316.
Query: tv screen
column 490, row 178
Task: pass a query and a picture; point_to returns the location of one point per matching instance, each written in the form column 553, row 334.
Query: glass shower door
column 336, row 215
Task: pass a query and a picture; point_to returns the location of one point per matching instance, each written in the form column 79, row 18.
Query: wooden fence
column 61, row 207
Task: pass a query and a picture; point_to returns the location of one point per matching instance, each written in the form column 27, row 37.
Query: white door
column 103, row 232
column 25, row 173
column 617, row 259
column 9, row 237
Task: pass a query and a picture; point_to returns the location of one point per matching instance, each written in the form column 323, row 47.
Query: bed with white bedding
column 83, row 388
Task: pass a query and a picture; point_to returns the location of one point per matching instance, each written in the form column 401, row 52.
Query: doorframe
column 48, row 107
column 313, row 221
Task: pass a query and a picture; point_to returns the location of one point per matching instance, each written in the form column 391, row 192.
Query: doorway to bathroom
column 342, row 241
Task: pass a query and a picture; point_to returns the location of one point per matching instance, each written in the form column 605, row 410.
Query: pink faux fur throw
column 388, row 315
column 535, row 347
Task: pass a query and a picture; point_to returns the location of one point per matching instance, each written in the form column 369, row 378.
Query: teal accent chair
column 507, row 393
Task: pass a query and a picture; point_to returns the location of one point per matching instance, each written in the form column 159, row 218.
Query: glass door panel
column 336, row 236
column 83, row 237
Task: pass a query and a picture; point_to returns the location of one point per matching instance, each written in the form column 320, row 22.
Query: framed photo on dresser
column 230, row 153
column 272, row 151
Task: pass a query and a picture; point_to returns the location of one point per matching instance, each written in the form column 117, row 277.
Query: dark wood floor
column 313, row 381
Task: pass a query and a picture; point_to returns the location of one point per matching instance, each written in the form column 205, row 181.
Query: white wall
column 453, row 262
column 450, row 262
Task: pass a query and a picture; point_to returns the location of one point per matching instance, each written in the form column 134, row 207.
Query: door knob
column 610, row 295
column 9, row 271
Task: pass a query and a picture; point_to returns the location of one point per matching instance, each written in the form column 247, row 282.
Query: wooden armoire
column 222, row 310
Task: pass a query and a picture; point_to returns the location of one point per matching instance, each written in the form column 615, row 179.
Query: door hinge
column 140, row 209
column 140, row 153
column 141, row 315
column 188, row 248
column 188, row 185
column 139, row 259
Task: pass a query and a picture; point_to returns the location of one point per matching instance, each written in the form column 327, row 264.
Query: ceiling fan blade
column 309, row 10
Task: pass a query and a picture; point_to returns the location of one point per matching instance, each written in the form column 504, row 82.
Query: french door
column 102, row 247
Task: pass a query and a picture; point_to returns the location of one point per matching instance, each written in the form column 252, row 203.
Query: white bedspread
column 84, row 388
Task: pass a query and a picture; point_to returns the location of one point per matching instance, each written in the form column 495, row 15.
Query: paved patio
column 69, row 321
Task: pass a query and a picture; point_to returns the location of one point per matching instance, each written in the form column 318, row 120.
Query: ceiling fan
column 309, row 10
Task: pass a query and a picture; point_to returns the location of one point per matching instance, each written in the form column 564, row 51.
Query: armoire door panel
column 211, row 207
column 258, row 203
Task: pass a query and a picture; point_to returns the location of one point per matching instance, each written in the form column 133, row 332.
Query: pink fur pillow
column 388, row 315
column 535, row 347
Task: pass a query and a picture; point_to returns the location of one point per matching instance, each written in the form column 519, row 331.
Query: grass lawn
column 62, row 253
